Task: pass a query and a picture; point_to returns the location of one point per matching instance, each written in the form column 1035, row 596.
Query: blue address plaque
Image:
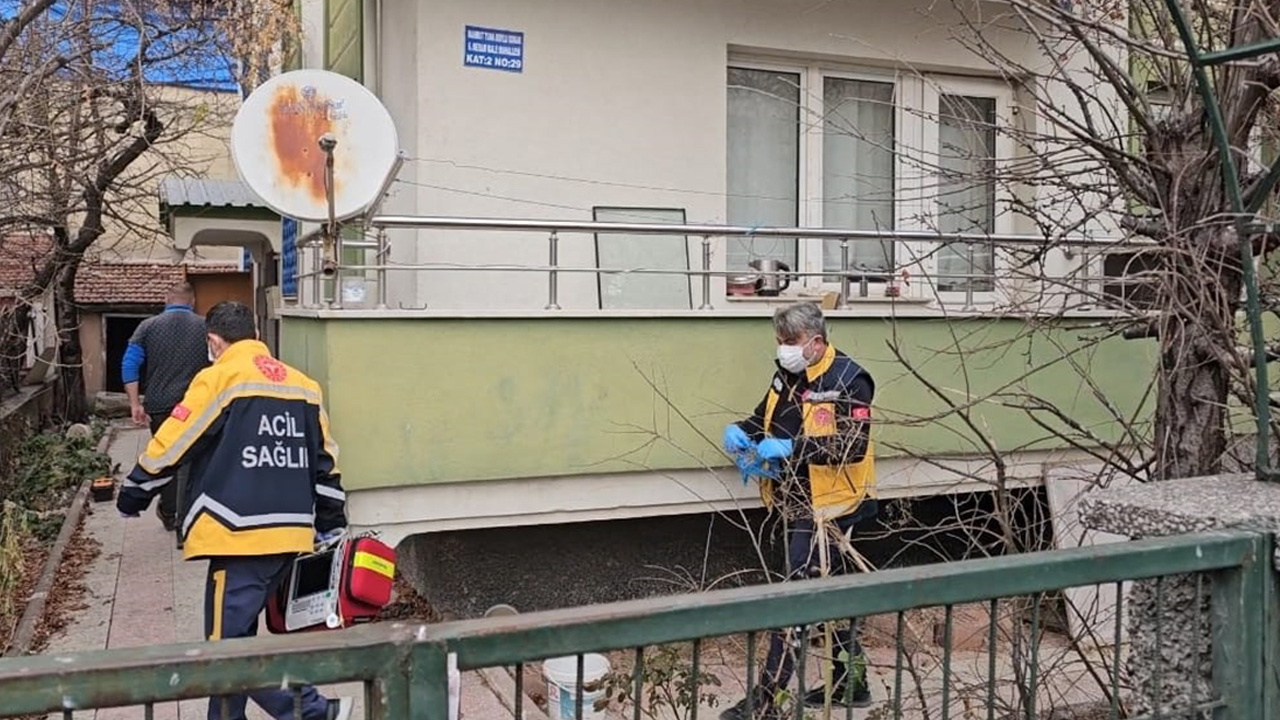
column 493, row 49
column 289, row 257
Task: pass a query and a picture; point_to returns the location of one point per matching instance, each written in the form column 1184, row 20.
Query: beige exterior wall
column 196, row 144
column 92, row 339
column 624, row 105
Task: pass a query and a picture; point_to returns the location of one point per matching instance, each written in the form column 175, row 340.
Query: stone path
column 141, row 592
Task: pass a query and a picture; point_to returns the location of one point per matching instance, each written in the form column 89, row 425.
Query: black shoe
column 860, row 698
column 762, row 708
column 169, row 523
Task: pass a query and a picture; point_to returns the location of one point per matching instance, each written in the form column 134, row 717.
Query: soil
column 535, row 686
column 65, row 597
column 407, row 604
column 34, row 554
column 68, row 593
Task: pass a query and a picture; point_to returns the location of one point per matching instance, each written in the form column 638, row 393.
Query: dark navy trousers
column 235, row 594
column 802, row 562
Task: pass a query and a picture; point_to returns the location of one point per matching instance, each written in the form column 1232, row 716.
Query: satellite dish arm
column 376, row 206
column 329, row 265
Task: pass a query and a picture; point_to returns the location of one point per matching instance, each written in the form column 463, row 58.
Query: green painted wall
column 343, row 38
column 421, row 400
column 303, row 345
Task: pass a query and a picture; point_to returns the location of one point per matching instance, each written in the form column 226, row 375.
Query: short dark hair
column 231, row 321
column 181, row 291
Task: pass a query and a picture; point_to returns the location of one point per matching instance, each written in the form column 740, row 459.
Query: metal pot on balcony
column 742, row 285
column 775, row 276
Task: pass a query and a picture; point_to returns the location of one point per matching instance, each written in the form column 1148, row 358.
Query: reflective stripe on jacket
column 264, row 475
column 834, row 456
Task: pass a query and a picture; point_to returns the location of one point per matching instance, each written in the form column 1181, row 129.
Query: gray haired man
column 813, row 431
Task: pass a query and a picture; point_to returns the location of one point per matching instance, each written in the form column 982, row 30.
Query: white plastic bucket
column 562, row 679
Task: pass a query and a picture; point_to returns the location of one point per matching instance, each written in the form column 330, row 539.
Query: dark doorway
column 119, row 328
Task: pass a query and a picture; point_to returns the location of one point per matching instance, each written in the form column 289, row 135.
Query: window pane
column 857, row 169
column 657, row 252
column 763, row 161
column 966, row 187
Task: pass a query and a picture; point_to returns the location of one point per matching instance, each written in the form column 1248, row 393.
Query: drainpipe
column 375, row 57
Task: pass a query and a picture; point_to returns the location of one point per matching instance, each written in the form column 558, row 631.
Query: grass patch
column 51, row 466
column 46, row 471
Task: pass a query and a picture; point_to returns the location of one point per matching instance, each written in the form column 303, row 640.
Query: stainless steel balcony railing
column 553, row 229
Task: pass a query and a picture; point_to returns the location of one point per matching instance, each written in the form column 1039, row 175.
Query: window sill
column 871, row 300
column 755, row 307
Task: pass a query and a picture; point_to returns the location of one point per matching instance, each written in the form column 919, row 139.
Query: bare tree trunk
column 71, row 389
column 1197, row 344
column 1190, row 423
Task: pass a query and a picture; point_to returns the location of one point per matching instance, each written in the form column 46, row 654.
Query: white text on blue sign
column 493, row 49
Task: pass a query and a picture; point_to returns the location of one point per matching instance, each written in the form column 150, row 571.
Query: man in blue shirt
column 164, row 354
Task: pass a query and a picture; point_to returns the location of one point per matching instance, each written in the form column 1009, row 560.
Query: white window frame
column 802, row 172
column 916, row 104
column 811, row 257
column 933, row 88
column 809, row 180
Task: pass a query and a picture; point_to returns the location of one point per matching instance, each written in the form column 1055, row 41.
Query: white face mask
column 792, row 359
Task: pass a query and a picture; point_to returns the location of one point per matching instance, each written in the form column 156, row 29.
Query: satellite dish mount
column 317, row 146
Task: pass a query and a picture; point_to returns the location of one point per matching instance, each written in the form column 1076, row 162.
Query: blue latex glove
column 736, row 439
column 752, row 468
column 765, row 471
column 775, row 448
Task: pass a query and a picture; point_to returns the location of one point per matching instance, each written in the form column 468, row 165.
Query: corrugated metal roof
column 207, row 192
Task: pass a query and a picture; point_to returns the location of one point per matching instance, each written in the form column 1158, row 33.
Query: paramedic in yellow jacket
column 809, row 442
column 264, row 486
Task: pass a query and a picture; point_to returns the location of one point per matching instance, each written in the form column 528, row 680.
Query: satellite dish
column 275, row 144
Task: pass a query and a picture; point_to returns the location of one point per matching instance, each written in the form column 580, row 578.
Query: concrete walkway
column 141, row 592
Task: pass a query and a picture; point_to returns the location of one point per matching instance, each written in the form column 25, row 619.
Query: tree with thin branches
column 96, row 103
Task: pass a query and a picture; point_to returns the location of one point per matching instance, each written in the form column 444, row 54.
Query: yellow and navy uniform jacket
column 263, row 466
column 826, row 412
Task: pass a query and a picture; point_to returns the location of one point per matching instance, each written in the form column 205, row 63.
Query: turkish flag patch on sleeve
column 861, row 414
column 180, row 412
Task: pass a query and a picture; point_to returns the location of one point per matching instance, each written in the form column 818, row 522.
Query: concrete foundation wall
column 20, row 415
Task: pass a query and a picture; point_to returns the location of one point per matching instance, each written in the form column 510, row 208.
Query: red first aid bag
column 339, row 587
column 370, row 574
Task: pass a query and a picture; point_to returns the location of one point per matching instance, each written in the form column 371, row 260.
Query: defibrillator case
column 337, row 587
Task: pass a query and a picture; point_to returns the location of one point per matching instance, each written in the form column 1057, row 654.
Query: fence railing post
column 1238, row 614
column 706, row 273
column 317, row 282
column 389, row 695
column 429, row 681
column 843, row 301
column 384, row 256
column 553, row 275
column 1271, row 633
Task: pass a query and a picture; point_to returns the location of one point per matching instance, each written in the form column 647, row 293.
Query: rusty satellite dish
column 275, row 143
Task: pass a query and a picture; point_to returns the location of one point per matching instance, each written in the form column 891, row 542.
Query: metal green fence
column 403, row 666
column 1245, row 207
